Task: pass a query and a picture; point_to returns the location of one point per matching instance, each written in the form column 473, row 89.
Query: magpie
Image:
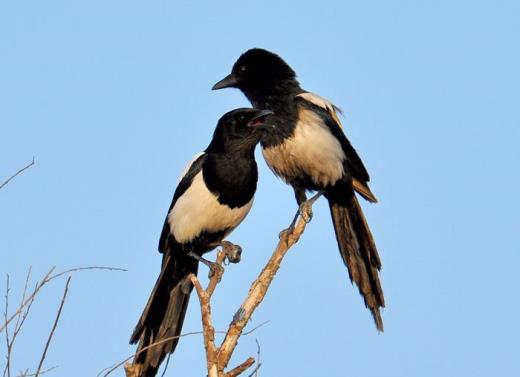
column 307, row 148
column 213, row 196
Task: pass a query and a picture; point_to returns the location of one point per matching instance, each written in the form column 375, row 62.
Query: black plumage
column 307, row 148
column 212, row 198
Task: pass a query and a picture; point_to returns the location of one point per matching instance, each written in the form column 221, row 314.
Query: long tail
column 164, row 313
column 359, row 253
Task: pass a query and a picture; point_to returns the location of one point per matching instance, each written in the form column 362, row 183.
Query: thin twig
column 258, row 362
column 27, row 374
column 121, row 363
column 46, row 279
column 20, row 320
column 53, row 327
column 8, row 356
column 254, row 328
column 17, row 173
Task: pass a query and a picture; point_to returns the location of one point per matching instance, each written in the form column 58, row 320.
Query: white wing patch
column 198, row 210
column 324, row 104
column 312, row 151
column 188, row 166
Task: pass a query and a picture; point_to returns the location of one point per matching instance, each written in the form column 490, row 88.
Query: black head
column 258, row 69
column 239, row 130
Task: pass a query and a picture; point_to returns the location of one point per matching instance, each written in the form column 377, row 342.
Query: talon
column 306, row 211
column 284, row 233
column 233, row 252
column 215, row 269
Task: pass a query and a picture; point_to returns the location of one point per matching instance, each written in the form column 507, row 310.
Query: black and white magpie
column 307, row 148
column 214, row 195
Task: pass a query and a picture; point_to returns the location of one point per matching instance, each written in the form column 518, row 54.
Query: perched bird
column 307, row 148
column 212, row 198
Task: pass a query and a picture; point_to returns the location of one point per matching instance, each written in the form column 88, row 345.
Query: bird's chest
column 198, row 210
column 312, row 157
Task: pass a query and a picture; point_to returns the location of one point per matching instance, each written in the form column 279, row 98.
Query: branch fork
column 218, row 357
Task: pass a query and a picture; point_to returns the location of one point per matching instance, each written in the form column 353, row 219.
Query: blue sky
column 113, row 98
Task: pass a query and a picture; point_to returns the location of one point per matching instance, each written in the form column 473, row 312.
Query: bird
column 213, row 196
column 307, row 148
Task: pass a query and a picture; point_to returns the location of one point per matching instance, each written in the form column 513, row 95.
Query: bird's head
column 257, row 68
column 240, row 130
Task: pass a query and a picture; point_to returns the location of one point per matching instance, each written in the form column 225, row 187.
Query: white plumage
column 198, row 210
column 311, row 150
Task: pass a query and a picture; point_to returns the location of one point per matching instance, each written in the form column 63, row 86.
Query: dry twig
column 53, row 327
column 131, row 369
column 46, row 279
column 17, row 173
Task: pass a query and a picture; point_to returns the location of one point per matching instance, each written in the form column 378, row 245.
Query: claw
column 284, row 233
column 215, row 269
column 233, row 252
column 306, row 211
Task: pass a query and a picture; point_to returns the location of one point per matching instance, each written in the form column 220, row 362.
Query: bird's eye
column 243, row 68
column 242, row 118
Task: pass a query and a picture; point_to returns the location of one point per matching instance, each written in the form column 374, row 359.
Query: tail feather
column 164, row 313
column 359, row 253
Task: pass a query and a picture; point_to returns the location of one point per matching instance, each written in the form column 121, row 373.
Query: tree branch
column 17, row 173
column 53, row 327
column 46, row 279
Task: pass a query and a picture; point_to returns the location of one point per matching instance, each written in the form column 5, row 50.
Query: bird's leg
column 233, row 252
column 214, row 268
column 300, row 198
column 306, row 207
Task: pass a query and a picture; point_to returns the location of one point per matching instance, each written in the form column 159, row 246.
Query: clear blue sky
column 113, row 97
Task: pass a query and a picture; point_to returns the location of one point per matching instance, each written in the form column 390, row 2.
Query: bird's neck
column 275, row 97
column 281, row 99
column 232, row 177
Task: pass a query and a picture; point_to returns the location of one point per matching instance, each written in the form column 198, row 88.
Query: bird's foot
column 232, row 252
column 285, row 233
column 214, row 268
column 306, row 211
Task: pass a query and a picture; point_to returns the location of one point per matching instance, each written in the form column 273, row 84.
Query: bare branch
column 241, row 368
column 17, row 173
column 7, row 369
column 120, row 364
column 257, row 293
column 258, row 362
column 46, row 279
column 53, row 327
column 27, row 374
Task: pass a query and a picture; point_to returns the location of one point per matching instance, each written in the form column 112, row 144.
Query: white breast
column 311, row 151
column 198, row 210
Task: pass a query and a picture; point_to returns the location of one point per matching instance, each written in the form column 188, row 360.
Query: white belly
column 198, row 210
column 312, row 151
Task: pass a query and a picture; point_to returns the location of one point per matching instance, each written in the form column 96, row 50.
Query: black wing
column 183, row 185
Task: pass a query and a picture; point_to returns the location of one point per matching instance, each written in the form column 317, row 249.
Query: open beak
column 227, row 82
column 258, row 121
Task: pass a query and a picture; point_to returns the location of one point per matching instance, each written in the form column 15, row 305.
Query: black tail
column 164, row 313
column 359, row 253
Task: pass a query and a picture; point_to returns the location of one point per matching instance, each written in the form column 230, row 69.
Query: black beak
column 258, row 121
column 227, row 82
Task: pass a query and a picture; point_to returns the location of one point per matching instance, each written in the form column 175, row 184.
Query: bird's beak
column 227, row 82
column 258, row 121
